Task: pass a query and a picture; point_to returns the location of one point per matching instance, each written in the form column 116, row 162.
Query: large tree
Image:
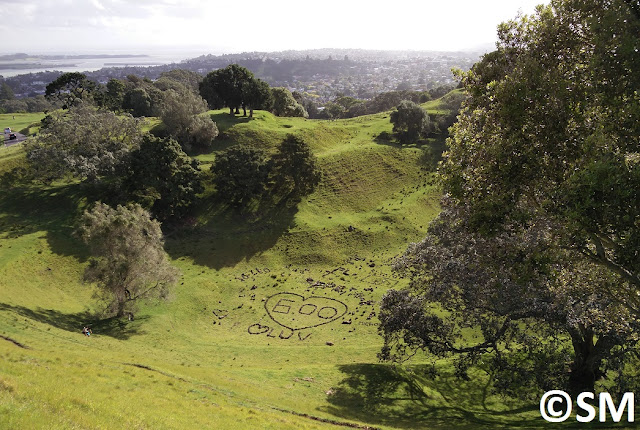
column 128, row 261
column 185, row 77
column 138, row 102
column 295, row 169
column 537, row 244
column 112, row 97
column 70, row 88
column 83, row 142
column 410, row 121
column 241, row 174
column 226, row 86
column 183, row 115
column 285, row 105
column 163, row 178
column 6, row 93
column 257, row 95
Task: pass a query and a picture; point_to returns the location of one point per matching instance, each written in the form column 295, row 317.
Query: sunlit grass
column 212, row 357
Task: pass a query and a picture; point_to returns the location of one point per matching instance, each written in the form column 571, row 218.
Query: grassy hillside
column 273, row 324
column 26, row 123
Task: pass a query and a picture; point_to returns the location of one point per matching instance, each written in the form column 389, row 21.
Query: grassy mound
column 273, row 324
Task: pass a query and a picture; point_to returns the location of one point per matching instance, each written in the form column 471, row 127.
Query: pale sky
column 75, row 26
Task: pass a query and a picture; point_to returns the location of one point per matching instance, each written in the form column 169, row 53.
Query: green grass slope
column 273, row 324
column 26, row 123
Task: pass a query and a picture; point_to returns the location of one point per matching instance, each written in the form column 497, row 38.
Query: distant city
column 320, row 73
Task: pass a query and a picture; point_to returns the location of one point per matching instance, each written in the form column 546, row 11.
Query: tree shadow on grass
column 225, row 121
column 229, row 236
column 387, row 395
column 28, row 209
column 432, row 147
column 116, row 328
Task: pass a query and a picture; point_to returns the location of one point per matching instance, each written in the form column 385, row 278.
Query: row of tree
column 113, row 155
column 179, row 98
column 236, row 87
column 245, row 174
column 141, row 180
column 173, row 98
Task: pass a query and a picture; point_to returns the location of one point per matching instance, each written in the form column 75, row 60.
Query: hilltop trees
column 409, row 121
column 114, row 155
column 113, row 96
column 6, row 92
column 285, row 105
column 234, row 87
column 226, row 86
column 537, row 243
column 181, row 113
column 187, row 78
column 257, row 95
column 128, row 261
column 138, row 102
column 70, row 88
column 84, row 143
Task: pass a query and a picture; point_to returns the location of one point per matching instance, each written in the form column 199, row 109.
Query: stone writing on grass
column 273, row 332
column 296, row 312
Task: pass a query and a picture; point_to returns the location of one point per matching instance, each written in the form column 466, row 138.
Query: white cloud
column 254, row 24
column 98, row 5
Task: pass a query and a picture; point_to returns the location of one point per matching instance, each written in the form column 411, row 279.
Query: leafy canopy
column 128, row 261
column 70, row 88
column 241, row 174
column 163, row 178
column 83, row 142
column 409, row 121
column 536, row 247
column 295, row 169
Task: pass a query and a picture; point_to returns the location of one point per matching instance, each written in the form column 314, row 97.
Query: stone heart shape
column 296, row 312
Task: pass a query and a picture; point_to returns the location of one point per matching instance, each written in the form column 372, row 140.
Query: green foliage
column 539, row 227
column 285, row 105
column 295, row 169
column 187, row 78
column 14, row 105
column 257, row 95
column 6, row 92
column 380, row 103
column 410, row 121
column 70, row 88
column 128, row 261
column 84, row 143
column 333, row 111
column 180, row 113
column 138, row 102
column 163, row 178
column 226, row 86
column 29, row 104
column 113, row 96
column 241, row 175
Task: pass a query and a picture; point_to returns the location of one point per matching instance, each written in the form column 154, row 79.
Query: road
column 19, row 138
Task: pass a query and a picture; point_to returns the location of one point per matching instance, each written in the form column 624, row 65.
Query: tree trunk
column 237, row 110
column 250, row 112
column 230, row 111
column 244, row 110
column 122, row 296
column 121, row 303
column 585, row 369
